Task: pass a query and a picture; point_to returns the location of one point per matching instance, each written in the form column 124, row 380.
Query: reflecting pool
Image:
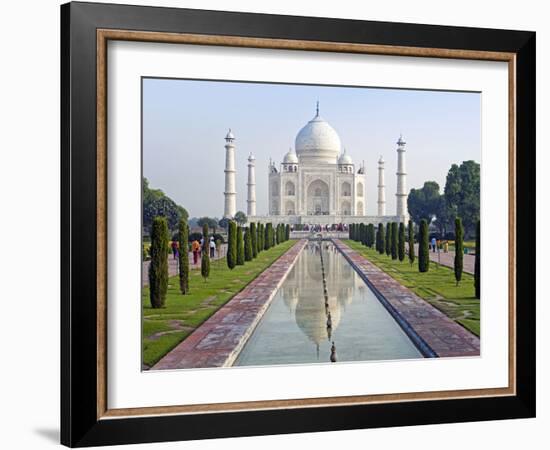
column 294, row 328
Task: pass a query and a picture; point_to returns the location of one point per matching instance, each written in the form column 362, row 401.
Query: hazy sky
column 185, row 122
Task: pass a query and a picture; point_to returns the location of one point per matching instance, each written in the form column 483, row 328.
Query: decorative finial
column 229, row 136
column 317, row 107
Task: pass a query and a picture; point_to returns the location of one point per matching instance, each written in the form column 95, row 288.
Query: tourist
column 212, row 247
column 434, row 244
column 174, row 248
column 195, row 247
column 446, row 247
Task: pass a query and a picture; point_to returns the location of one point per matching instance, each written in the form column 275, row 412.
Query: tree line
column 460, row 198
column 392, row 238
column 156, row 203
column 244, row 244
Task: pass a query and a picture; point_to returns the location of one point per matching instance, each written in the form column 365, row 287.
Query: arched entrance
column 318, row 198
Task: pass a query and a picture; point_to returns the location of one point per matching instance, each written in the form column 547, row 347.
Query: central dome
column 318, row 142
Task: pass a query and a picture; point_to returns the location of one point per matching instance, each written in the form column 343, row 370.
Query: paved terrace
column 218, row 341
column 433, row 332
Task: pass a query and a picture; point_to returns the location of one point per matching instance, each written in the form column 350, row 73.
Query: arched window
column 289, row 208
column 289, row 188
column 275, row 188
column 360, row 189
column 346, row 189
column 360, row 211
column 346, row 208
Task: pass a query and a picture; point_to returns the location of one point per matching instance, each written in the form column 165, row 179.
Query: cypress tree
column 411, row 242
column 183, row 241
column 459, row 249
column 477, row 269
column 371, row 234
column 381, row 239
column 267, row 241
column 247, row 245
column 350, row 232
column 261, row 237
column 240, row 247
column 254, row 239
column 158, row 267
column 423, row 248
column 231, row 244
column 272, row 235
column 401, row 242
column 394, row 240
column 287, row 231
column 387, row 244
column 205, row 258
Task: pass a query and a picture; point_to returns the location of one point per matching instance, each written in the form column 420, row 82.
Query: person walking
column 195, row 246
column 212, row 247
column 434, row 244
column 174, row 248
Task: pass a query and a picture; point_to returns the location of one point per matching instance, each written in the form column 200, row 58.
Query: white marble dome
column 290, row 158
column 318, row 142
column 345, row 158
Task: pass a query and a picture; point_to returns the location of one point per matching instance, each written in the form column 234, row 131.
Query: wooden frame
column 86, row 28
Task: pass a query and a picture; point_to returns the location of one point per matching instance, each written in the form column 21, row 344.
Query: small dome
column 381, row 160
column 318, row 141
column 290, row 158
column 251, row 157
column 345, row 158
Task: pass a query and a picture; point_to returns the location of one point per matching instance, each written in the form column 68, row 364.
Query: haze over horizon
column 185, row 122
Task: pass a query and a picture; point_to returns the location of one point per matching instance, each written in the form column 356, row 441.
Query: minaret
column 251, row 199
column 230, row 207
column 381, row 188
column 401, row 194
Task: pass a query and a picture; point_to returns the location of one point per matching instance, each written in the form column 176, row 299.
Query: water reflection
column 303, row 320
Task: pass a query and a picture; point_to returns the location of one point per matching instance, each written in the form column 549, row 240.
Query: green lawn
column 165, row 328
column 437, row 286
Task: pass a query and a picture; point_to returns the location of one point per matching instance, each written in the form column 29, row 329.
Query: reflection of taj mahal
column 302, row 296
column 317, row 183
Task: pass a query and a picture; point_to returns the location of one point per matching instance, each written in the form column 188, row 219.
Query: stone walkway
column 218, row 341
column 435, row 334
column 448, row 259
column 173, row 264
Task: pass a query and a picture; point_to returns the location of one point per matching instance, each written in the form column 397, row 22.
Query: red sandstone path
column 218, row 341
column 428, row 327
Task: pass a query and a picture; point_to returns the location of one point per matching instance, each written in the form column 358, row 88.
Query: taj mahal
column 317, row 182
